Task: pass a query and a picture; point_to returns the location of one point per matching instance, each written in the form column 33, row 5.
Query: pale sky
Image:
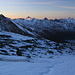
column 38, row 8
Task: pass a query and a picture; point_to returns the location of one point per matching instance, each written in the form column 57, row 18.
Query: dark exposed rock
column 18, row 52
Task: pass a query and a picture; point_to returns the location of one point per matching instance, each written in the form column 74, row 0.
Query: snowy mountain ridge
column 56, row 23
column 26, row 47
column 33, row 36
column 49, row 29
column 45, row 28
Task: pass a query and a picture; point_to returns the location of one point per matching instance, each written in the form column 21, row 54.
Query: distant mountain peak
column 28, row 18
column 45, row 18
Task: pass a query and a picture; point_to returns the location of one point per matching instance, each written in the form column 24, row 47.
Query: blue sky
column 38, row 8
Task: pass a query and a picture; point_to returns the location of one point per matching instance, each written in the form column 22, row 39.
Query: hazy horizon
column 38, row 9
column 34, row 17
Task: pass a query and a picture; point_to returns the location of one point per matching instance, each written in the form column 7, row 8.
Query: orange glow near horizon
column 52, row 16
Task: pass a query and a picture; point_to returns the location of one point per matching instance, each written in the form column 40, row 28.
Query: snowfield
column 58, row 65
column 66, row 68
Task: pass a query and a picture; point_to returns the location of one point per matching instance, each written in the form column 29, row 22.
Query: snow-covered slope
column 57, row 24
column 7, row 25
column 26, row 47
column 43, row 31
column 58, row 65
column 49, row 29
column 65, row 68
column 33, row 47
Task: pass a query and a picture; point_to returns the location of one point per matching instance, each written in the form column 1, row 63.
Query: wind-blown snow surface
column 65, row 68
column 58, row 65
